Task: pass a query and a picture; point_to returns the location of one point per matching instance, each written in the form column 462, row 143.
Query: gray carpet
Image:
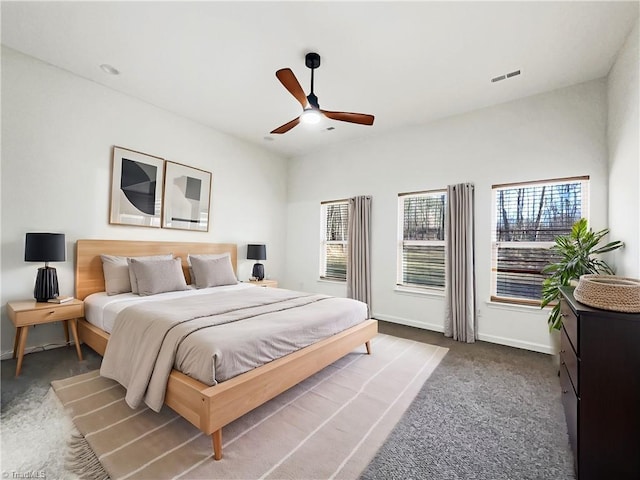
column 488, row 412
column 40, row 368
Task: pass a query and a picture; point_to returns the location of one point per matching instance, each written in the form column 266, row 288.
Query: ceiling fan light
column 310, row 116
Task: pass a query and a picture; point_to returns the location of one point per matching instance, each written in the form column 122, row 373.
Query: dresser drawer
column 570, row 404
column 569, row 359
column 570, row 324
column 48, row 314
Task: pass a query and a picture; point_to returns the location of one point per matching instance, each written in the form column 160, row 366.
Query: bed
column 210, row 408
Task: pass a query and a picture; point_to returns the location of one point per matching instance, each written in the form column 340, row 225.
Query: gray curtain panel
column 359, row 250
column 460, row 291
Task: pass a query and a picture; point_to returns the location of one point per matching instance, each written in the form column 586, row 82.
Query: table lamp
column 257, row 252
column 45, row 247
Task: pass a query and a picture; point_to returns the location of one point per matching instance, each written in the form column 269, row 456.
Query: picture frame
column 137, row 181
column 187, row 197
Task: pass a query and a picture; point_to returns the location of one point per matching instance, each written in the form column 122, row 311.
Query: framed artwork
column 136, row 188
column 187, row 192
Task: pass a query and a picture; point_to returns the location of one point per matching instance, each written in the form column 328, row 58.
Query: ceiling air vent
column 506, row 75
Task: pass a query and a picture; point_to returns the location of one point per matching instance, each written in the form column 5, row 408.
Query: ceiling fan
column 311, row 111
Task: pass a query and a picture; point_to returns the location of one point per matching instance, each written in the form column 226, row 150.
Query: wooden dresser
column 600, row 380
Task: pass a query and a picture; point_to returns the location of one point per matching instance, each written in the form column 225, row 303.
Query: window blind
column 424, row 217
column 336, row 258
column 335, row 216
column 421, row 256
column 423, row 265
column 527, row 220
column 336, row 224
column 537, row 213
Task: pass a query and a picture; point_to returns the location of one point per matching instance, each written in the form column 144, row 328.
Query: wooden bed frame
column 211, row 408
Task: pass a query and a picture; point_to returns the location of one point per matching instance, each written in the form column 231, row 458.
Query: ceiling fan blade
column 290, row 82
column 361, row 118
column 287, row 126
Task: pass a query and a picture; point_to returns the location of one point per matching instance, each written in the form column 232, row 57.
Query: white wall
column 552, row 135
column 57, row 136
column 624, row 157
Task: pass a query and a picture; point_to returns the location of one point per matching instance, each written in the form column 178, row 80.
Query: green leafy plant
column 577, row 252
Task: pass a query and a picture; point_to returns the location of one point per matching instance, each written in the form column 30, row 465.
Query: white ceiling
column 405, row 62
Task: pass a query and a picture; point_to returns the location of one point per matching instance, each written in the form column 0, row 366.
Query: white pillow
column 213, row 272
column 150, row 258
column 158, row 276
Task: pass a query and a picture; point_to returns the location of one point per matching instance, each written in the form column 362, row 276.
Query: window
column 334, row 241
column 421, row 239
column 526, row 219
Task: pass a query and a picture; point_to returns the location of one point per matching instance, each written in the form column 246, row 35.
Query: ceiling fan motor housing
column 312, row 60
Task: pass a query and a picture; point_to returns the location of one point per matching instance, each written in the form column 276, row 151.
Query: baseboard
column 8, row 354
column 510, row 342
column 408, row 322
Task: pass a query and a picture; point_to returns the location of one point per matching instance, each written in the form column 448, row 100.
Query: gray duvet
column 214, row 337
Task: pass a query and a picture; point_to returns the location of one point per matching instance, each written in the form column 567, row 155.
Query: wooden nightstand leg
column 74, row 331
column 15, row 341
column 65, row 324
column 24, row 331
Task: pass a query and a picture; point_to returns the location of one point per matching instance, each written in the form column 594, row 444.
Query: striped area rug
column 329, row 426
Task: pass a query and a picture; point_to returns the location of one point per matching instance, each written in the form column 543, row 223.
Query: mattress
column 101, row 309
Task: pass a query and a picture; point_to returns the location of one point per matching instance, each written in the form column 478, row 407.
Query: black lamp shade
column 257, row 252
column 45, row 247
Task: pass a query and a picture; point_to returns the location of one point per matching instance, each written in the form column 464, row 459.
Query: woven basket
column 609, row 292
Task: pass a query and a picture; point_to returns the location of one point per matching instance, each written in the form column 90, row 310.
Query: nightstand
column 26, row 313
column 265, row 283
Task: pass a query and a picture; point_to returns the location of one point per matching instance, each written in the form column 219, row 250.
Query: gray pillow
column 205, row 256
column 149, row 258
column 202, row 256
column 158, row 276
column 213, row 272
column 116, row 274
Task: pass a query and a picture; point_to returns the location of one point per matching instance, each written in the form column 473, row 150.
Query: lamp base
column 258, row 271
column 46, row 284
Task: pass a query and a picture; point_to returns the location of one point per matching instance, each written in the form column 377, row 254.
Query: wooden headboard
column 89, row 276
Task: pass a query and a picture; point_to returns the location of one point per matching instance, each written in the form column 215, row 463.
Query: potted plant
column 577, row 252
